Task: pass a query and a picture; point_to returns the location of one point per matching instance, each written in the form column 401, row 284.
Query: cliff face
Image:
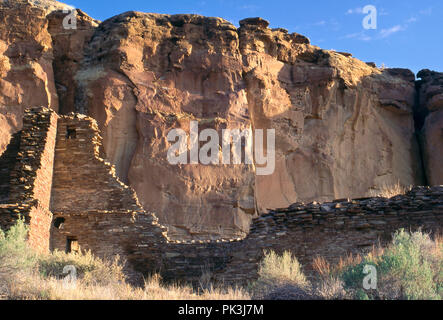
column 155, row 73
column 430, row 89
column 26, row 74
column 37, row 60
column 343, row 127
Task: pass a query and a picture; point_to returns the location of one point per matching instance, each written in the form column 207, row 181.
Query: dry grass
column 411, row 267
column 322, row 267
column 280, row 277
column 331, row 288
column 25, row 275
column 389, row 191
column 34, row 287
column 349, row 260
column 283, row 268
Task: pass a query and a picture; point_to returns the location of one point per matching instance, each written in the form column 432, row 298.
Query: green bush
column 15, row 254
column 353, row 276
column 410, row 260
column 409, row 268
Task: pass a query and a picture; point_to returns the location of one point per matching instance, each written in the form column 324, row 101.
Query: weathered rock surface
column 38, row 58
column 431, row 110
column 77, row 202
column 26, row 74
column 68, row 46
column 163, row 72
column 343, row 127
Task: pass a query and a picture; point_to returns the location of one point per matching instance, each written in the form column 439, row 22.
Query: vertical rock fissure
column 419, row 119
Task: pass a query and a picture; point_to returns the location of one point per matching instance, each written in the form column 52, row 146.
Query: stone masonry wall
column 8, row 161
column 91, row 206
column 30, row 176
column 331, row 230
column 83, row 179
column 334, row 229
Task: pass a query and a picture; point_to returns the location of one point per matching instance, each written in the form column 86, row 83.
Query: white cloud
column 355, row 11
column 380, row 12
column 426, row 12
column 332, row 24
column 384, row 33
column 362, row 36
column 320, row 23
column 250, row 7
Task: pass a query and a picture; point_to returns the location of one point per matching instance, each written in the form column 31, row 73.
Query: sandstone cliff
column 430, row 118
column 343, row 128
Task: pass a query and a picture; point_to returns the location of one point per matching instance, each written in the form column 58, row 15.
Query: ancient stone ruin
column 60, row 182
column 84, row 115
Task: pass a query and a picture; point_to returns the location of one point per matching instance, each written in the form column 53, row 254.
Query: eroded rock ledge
column 344, row 128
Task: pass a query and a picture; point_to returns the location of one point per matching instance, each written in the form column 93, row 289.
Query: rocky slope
column 343, row 127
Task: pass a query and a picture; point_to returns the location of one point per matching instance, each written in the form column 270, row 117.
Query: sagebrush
column 410, row 267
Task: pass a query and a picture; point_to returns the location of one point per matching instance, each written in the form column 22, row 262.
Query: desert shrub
column 410, row 265
column 280, row 276
column 331, row 288
column 409, row 268
column 90, row 269
column 285, row 268
column 15, row 254
column 25, row 274
column 352, row 276
column 389, row 191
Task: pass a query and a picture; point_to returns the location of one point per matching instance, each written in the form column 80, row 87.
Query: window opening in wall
column 58, row 222
column 72, row 245
column 71, row 133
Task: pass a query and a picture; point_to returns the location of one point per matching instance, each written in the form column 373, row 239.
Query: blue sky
column 409, row 33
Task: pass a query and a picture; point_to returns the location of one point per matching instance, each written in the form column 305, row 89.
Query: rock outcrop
column 431, row 118
column 344, row 128
column 38, row 59
column 161, row 73
column 26, row 73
